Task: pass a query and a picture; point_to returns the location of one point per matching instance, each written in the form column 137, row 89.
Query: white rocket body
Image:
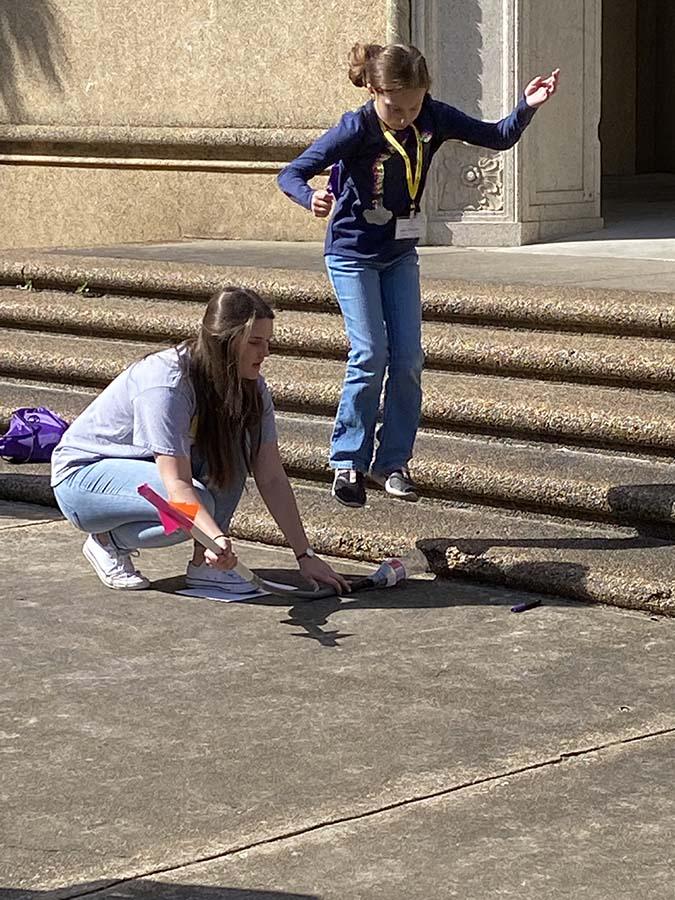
column 393, row 571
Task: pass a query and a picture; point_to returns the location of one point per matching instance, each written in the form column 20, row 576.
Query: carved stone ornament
column 486, row 178
column 479, row 187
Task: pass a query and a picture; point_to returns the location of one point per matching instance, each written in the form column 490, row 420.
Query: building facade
column 122, row 121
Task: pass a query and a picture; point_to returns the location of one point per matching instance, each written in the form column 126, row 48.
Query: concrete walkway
column 635, row 251
column 418, row 743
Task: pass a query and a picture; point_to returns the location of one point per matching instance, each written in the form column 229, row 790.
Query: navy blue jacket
column 358, row 150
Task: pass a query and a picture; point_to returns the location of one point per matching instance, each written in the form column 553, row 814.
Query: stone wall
column 129, row 121
column 638, row 87
column 665, row 95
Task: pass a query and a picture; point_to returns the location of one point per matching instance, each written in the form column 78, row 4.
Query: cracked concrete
column 472, row 837
column 298, row 855
column 436, row 746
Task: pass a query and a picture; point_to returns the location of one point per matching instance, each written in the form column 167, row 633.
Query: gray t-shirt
column 147, row 410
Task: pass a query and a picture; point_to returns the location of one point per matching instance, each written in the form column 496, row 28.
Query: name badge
column 409, row 228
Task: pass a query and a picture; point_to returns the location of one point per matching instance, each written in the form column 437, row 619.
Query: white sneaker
column 113, row 567
column 207, row 577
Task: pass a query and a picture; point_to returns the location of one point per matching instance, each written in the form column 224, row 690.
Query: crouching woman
column 191, row 421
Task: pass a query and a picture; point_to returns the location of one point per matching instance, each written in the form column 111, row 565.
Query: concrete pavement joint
column 573, row 754
column 410, row 801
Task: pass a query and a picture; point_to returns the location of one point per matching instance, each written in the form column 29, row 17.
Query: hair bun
column 359, row 57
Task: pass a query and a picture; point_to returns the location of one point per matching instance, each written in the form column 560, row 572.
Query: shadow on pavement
column 433, row 593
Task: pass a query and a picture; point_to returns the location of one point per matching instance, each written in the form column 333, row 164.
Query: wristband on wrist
column 307, row 554
column 220, row 535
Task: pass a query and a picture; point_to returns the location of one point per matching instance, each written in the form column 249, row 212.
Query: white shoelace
column 123, row 564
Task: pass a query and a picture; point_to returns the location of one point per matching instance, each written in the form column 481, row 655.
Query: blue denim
column 382, row 310
column 102, row 497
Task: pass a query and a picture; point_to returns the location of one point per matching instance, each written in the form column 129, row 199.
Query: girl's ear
column 371, row 90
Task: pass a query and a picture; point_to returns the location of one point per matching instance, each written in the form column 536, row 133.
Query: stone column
column 481, row 54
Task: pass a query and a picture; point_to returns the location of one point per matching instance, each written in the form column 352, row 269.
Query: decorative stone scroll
column 472, row 180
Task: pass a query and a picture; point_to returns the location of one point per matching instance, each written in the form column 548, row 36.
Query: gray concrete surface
column 635, row 251
column 423, row 742
column 577, row 828
column 549, row 268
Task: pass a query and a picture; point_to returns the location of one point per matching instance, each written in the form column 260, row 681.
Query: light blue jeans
column 102, row 497
column 382, row 310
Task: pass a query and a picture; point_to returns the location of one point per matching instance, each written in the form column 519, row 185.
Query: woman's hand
column 225, row 560
column 322, row 203
column 316, row 571
column 541, row 89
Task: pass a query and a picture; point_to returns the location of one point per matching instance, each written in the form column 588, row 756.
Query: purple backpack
column 33, row 434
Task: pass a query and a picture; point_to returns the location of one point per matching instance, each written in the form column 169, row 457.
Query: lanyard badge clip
column 410, row 227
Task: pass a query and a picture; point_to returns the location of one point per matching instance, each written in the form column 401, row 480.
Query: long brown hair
column 229, row 407
column 396, row 67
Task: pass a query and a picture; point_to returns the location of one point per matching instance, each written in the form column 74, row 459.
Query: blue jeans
column 382, row 310
column 102, row 497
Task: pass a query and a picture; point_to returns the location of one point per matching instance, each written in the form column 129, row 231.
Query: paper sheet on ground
column 222, row 595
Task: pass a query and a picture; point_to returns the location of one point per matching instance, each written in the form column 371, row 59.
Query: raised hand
column 541, row 89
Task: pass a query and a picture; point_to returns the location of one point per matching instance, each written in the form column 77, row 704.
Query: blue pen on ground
column 529, row 604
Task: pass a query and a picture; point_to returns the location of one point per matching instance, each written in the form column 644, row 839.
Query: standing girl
column 381, row 155
column 191, row 422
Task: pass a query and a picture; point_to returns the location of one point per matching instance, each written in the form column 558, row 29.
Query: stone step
column 642, row 421
column 542, row 307
column 65, row 400
column 603, row 564
column 145, row 318
column 598, row 563
column 604, row 359
column 498, row 472
column 486, row 471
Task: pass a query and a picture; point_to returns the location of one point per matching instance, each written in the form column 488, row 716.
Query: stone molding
column 128, row 162
column 472, row 192
column 238, row 143
column 245, row 150
column 562, row 155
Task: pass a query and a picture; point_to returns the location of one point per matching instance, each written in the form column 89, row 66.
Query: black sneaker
column 399, row 484
column 349, row 487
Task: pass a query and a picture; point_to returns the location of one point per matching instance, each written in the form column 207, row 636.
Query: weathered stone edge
column 306, row 454
column 462, row 348
column 544, row 306
column 346, row 541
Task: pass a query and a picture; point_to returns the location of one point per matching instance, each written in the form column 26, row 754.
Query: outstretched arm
column 276, row 491
column 502, row 135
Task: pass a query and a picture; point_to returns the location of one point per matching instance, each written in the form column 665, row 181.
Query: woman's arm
column 176, row 475
column 276, row 491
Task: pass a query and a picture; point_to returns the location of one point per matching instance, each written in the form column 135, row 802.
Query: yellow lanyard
column 413, row 183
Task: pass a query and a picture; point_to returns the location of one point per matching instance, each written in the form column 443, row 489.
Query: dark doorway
column 637, row 128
